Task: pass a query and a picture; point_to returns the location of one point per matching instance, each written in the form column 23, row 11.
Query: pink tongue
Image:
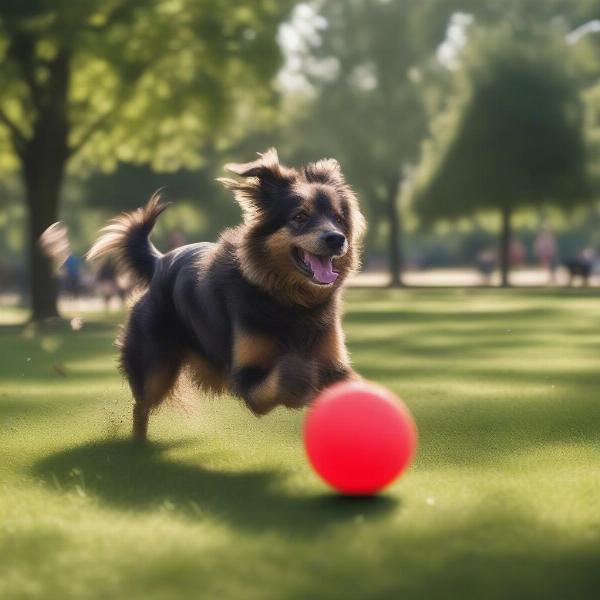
column 321, row 267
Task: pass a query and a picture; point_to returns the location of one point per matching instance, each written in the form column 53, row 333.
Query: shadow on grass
column 139, row 477
column 496, row 552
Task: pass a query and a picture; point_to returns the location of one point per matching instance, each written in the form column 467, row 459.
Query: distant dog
column 259, row 312
column 580, row 266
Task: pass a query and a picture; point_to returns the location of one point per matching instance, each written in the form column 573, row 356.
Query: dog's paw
column 297, row 381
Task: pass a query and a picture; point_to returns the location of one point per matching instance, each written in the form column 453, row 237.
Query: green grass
column 503, row 500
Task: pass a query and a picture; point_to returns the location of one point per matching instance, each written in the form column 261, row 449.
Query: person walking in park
column 545, row 249
column 108, row 284
column 72, row 276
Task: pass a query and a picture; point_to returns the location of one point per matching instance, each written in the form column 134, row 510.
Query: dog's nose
column 334, row 241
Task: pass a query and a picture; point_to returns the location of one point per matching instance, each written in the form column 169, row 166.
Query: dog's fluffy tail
column 126, row 238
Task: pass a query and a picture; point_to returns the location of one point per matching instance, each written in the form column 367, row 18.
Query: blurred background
column 470, row 130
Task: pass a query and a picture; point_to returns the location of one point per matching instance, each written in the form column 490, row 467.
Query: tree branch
column 92, row 129
column 102, row 119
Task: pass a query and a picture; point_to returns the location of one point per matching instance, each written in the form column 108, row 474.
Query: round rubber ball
column 359, row 437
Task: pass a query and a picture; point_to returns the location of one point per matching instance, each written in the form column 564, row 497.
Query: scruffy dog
column 259, row 312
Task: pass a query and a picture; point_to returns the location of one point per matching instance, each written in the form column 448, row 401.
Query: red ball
column 359, row 437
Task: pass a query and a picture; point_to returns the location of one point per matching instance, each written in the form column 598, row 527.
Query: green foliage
column 200, row 208
column 150, row 81
column 512, row 134
column 366, row 109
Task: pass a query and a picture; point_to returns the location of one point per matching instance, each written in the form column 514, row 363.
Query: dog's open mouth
column 318, row 268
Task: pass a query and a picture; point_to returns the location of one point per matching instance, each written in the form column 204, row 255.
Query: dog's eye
column 338, row 220
column 300, row 218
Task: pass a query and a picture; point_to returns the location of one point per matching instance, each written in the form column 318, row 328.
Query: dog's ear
column 266, row 165
column 264, row 182
column 327, row 171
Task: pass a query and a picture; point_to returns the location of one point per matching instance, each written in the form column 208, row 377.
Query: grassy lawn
column 503, row 500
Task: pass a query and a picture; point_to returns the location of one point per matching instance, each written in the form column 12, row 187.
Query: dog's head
column 303, row 227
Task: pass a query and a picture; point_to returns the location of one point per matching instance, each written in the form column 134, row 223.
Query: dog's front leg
column 265, row 378
column 291, row 382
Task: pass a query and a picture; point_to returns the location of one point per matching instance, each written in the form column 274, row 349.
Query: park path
column 463, row 277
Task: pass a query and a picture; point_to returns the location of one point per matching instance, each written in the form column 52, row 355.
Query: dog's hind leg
column 149, row 394
column 152, row 366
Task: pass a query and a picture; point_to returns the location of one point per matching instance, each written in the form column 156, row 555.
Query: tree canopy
column 366, row 107
column 512, row 135
column 147, row 80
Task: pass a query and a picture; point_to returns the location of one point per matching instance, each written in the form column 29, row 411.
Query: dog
column 581, row 266
column 256, row 314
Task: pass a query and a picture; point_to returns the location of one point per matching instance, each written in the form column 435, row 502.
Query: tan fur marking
column 204, row 375
column 265, row 395
column 253, row 350
column 273, row 390
column 331, row 348
column 279, row 244
column 311, row 241
column 157, row 386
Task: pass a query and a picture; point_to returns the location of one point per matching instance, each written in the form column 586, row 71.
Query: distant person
column 516, row 252
column 486, row 263
column 108, row 282
column 581, row 266
column 72, row 275
column 545, row 249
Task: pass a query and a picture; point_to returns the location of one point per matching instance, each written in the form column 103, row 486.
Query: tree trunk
column 396, row 262
column 42, row 189
column 505, row 239
column 44, row 161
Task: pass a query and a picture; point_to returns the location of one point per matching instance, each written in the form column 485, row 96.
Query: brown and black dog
column 258, row 313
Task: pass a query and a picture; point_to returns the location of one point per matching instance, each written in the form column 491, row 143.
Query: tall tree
column 364, row 103
column 91, row 83
column 512, row 135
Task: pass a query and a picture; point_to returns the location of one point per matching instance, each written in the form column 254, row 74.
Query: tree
column 91, row 83
column 364, row 105
column 512, row 135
